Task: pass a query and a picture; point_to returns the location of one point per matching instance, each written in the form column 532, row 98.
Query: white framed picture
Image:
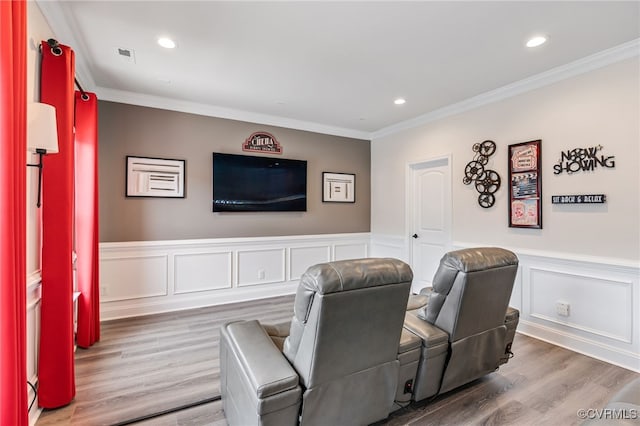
column 338, row 187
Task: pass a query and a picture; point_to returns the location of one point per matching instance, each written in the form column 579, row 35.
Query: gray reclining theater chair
column 466, row 328
column 339, row 363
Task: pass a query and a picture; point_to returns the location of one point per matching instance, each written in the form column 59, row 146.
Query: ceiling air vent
column 127, row 55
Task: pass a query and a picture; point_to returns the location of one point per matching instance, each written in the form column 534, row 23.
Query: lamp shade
column 42, row 132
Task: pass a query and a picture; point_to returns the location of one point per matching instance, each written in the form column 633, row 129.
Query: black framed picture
column 338, row 187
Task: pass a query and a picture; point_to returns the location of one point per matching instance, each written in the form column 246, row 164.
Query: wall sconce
column 42, row 135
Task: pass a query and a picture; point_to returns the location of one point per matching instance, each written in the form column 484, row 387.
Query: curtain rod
column 55, row 48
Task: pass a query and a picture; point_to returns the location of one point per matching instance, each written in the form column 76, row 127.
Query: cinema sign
column 262, row 142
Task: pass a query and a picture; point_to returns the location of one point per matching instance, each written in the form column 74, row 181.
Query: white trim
column 235, row 295
column 282, row 251
column 601, row 59
column 574, row 257
column 606, row 353
column 119, row 304
column 619, row 349
column 627, row 284
column 206, row 242
column 56, row 16
column 176, row 256
column 172, row 104
column 386, row 245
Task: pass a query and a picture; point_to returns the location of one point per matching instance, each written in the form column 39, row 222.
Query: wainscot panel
column 264, row 266
column 134, row 277
column 350, row 251
column 390, row 246
column 602, row 294
column 592, row 299
column 603, row 299
column 141, row 278
column 202, row 271
column 302, row 257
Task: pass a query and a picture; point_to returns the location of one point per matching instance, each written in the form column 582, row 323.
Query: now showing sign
column 579, row 199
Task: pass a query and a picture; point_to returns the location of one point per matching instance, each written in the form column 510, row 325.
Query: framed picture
column 155, row 177
column 525, row 194
column 338, row 187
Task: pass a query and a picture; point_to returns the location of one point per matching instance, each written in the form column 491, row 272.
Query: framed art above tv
column 245, row 183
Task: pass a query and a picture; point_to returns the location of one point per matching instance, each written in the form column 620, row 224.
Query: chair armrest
column 267, row 370
column 278, row 332
column 429, row 333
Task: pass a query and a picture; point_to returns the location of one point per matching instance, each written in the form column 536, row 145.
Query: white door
column 430, row 212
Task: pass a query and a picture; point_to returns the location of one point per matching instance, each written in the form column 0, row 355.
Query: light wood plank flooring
column 150, row 364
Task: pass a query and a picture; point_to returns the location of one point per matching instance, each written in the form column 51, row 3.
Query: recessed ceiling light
column 536, row 41
column 399, row 101
column 166, row 43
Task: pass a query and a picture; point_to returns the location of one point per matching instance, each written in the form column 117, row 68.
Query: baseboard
column 611, row 355
column 143, row 307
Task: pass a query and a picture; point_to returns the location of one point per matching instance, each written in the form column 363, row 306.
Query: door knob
column 415, row 235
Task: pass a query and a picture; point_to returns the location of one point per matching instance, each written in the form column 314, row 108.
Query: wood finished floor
column 150, row 364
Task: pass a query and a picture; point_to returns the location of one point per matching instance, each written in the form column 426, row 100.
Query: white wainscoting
column 34, row 295
column 603, row 296
column 140, row 278
column 390, row 246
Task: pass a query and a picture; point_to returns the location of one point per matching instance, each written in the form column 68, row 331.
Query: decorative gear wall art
column 487, row 181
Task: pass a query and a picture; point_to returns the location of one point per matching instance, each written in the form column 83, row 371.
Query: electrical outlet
column 103, row 291
column 261, row 274
column 562, row 309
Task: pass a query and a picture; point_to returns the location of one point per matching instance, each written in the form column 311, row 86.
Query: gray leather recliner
column 338, row 364
column 466, row 327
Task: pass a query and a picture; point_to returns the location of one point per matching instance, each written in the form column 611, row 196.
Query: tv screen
column 244, row 183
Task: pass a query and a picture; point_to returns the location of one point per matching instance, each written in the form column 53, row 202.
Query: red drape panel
column 56, row 368
column 86, row 210
column 13, row 155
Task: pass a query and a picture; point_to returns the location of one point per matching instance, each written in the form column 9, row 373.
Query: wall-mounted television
column 245, row 183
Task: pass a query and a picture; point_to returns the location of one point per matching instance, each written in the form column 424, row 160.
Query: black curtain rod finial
column 55, row 48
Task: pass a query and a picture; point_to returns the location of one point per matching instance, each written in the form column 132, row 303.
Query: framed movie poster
column 525, row 195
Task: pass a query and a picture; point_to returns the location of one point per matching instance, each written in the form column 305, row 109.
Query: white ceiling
column 334, row 67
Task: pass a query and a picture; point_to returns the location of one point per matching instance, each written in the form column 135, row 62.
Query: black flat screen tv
column 245, row 183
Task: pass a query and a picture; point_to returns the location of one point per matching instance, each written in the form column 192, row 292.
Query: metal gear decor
column 487, row 181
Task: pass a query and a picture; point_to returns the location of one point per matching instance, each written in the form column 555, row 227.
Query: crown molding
column 598, row 60
column 171, row 104
column 59, row 20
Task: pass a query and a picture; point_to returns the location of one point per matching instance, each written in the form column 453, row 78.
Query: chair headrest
column 333, row 277
column 478, row 259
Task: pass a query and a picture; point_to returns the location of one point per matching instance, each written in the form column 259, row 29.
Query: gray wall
column 133, row 130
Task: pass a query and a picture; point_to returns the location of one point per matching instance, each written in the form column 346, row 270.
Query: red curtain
column 13, row 154
column 86, row 216
column 56, row 368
